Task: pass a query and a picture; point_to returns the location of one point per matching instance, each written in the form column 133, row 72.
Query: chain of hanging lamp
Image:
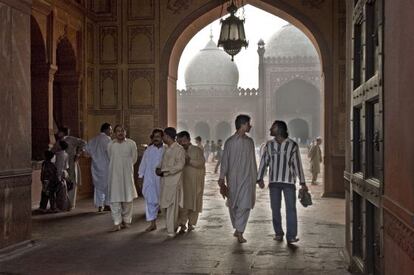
column 232, row 36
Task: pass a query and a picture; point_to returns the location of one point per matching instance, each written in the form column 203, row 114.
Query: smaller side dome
column 211, row 68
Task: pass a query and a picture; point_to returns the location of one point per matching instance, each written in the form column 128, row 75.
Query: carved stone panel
column 141, row 44
column 108, row 98
column 143, row 9
column 141, row 88
column 97, row 118
column 90, row 87
column 177, row 6
column 400, row 233
column 104, row 9
column 109, row 44
column 314, row 4
column 140, row 127
column 90, row 43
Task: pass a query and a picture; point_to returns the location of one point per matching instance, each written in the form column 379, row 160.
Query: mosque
column 289, row 89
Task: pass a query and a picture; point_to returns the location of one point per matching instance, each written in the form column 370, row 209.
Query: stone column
column 15, row 122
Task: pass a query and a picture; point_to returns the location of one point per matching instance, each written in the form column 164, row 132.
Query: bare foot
column 150, row 228
column 240, row 238
column 115, row 228
column 125, row 225
column 183, row 228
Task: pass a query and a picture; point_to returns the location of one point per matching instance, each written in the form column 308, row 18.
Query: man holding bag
column 282, row 155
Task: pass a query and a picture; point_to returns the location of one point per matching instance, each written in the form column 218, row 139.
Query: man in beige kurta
column 315, row 156
column 122, row 153
column 239, row 169
column 193, row 183
column 170, row 171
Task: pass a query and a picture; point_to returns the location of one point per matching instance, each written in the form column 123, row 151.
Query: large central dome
column 211, row 68
column 289, row 41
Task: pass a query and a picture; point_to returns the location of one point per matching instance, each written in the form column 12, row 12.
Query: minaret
column 261, row 133
column 261, row 51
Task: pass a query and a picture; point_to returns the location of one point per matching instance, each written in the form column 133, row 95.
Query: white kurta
column 97, row 149
column 238, row 166
column 150, row 161
column 122, row 157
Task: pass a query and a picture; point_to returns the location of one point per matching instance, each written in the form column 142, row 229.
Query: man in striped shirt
column 282, row 156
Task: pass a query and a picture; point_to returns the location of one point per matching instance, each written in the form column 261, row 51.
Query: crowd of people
column 173, row 173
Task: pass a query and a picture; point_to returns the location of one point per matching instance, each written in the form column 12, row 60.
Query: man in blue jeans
column 282, row 156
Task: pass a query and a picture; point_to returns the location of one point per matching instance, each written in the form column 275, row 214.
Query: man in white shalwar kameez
column 122, row 154
column 151, row 188
column 97, row 149
column 239, row 168
column 171, row 173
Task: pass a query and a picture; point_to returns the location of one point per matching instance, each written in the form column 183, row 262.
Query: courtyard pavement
column 78, row 242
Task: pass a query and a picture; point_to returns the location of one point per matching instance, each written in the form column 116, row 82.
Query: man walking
column 151, row 188
column 282, row 155
column 193, row 183
column 170, row 171
column 122, row 154
column 315, row 156
column 239, row 169
column 207, row 150
column 218, row 155
column 97, row 149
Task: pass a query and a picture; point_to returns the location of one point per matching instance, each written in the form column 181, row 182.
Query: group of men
column 173, row 172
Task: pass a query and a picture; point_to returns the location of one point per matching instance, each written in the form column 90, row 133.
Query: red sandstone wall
column 15, row 124
column 399, row 137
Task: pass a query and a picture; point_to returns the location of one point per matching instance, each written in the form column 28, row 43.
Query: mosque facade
column 289, row 89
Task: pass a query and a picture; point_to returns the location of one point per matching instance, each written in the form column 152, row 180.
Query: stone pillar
column 172, row 101
column 15, row 122
column 51, row 78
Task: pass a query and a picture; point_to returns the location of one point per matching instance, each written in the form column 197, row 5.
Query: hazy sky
column 258, row 24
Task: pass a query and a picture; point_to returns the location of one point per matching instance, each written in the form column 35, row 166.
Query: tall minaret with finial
column 261, row 133
column 261, row 51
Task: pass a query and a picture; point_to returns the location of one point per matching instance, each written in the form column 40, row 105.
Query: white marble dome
column 211, row 68
column 289, row 41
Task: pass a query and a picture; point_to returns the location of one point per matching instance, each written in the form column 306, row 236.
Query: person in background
column 97, row 149
column 151, row 187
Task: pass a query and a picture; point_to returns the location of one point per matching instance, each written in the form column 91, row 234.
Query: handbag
column 305, row 198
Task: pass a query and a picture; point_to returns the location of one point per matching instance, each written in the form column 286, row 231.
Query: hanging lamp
column 232, row 36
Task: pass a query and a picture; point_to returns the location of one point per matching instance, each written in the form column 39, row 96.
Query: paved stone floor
column 78, row 242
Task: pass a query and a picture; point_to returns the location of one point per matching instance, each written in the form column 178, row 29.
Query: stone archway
column 223, row 130
column 182, row 126
column 39, row 91
column 66, row 88
column 332, row 81
column 299, row 130
column 202, row 129
column 299, row 99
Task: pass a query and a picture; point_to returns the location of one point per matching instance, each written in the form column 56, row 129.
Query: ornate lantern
column 232, row 36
